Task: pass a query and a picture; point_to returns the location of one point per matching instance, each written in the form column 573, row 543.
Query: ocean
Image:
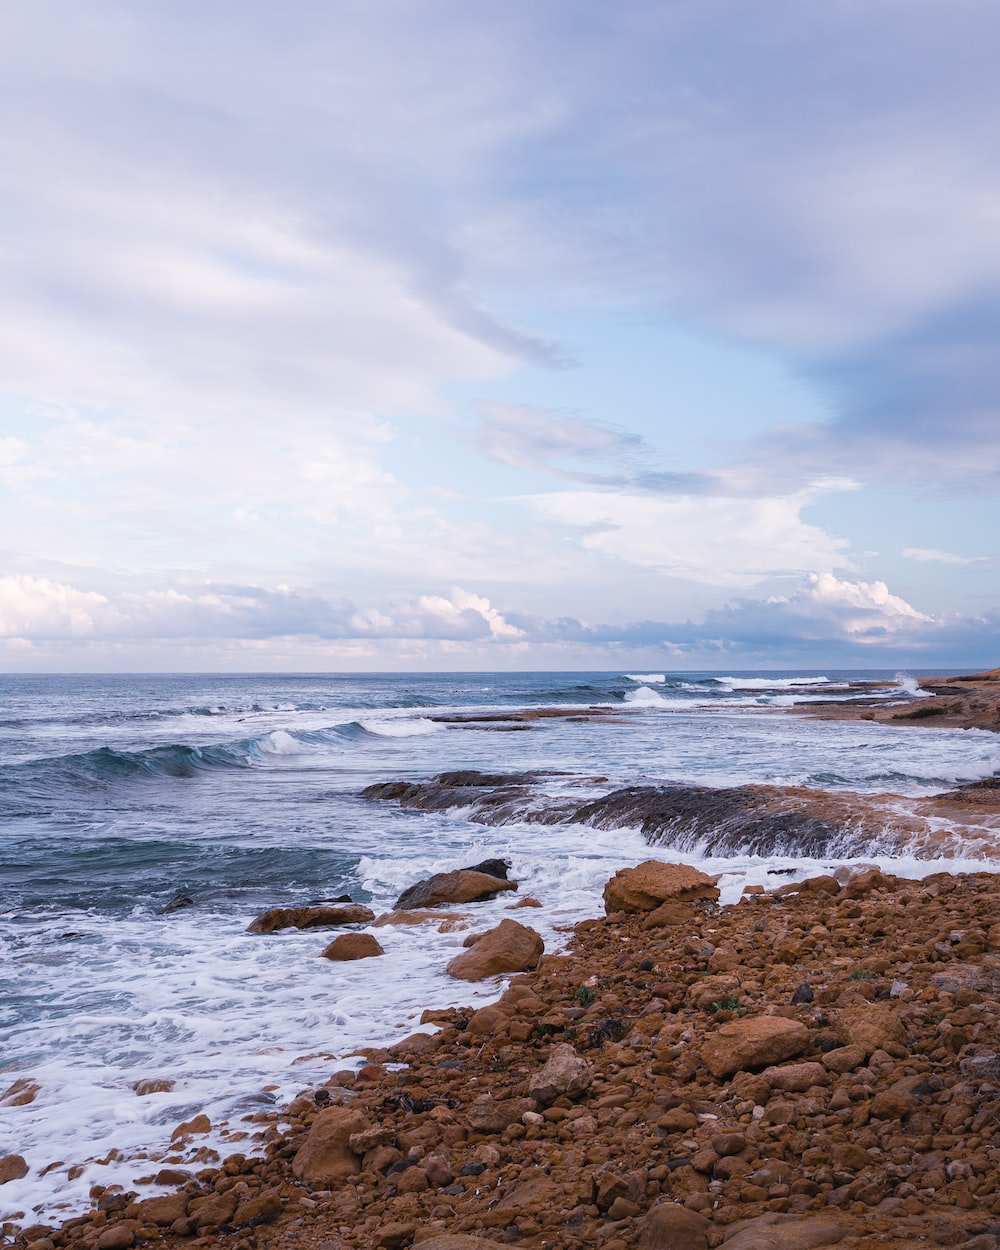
column 146, row 820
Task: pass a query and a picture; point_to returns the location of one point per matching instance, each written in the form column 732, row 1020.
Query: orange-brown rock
column 326, row 1156
column 648, row 885
column 310, row 918
column 565, row 1074
column 199, row 1124
column 510, row 947
column 669, row 1226
column 153, row 1085
column 754, row 1042
column 353, row 946
column 777, row 1231
column 162, row 1211
column 12, row 1168
column 22, row 1093
column 874, row 1026
column 406, row 917
column 464, row 885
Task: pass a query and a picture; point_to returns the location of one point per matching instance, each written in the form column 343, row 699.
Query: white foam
column 910, row 686
column 769, row 683
column 644, row 697
column 279, row 742
column 655, row 678
column 410, row 727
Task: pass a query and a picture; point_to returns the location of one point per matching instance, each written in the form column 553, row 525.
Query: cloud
column 716, row 541
column 932, row 555
column 534, row 438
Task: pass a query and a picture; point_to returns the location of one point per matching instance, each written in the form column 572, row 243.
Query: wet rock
column 199, row 1125
column 461, row 886
column 755, row 1042
column 310, row 918
column 327, row 1157
column 178, row 903
column 669, row 1226
column 648, row 885
column 510, row 947
column 353, row 946
column 22, row 1093
column 12, row 1168
column 564, row 1073
column 153, row 1085
column 407, row 917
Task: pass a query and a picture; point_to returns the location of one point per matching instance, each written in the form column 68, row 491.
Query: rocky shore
column 970, row 701
column 817, row 1066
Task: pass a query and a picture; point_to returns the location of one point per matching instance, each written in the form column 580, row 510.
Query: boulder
column 310, row 918
column 754, row 1042
column 458, row 1241
column 776, row 1231
column 162, row 1211
column 326, row 1156
column 564, row 1073
column 669, row 1226
column 510, row 947
column 648, row 885
column 353, row 946
column 464, row 885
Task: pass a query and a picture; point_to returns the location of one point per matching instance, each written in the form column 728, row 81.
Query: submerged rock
column 310, row 918
column 353, row 946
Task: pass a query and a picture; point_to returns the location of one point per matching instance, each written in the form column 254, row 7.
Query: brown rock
column 395, row 1236
column 645, row 887
column 22, row 1093
column 492, row 1115
column 438, row 1171
column 260, row 1209
column 212, row 1211
column 845, row 1058
column 510, row 947
column 353, row 946
column 782, row 1232
column 153, row 1085
column 162, row 1211
column 326, row 1157
column 418, row 917
column 200, row 1124
column 12, row 1168
column 874, row 1026
column 457, row 1241
column 310, row 918
column 669, row 914
column 488, row 1020
column 564, row 1073
column 753, row 1042
column 669, row 1226
column 117, row 1237
column 464, row 885
column 794, row 1078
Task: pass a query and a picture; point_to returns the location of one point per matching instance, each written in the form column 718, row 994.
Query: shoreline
column 871, row 1109
column 965, row 702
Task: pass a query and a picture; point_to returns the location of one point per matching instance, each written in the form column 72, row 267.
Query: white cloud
column 933, row 555
column 717, row 541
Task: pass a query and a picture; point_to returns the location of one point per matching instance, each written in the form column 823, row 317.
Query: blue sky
column 548, row 335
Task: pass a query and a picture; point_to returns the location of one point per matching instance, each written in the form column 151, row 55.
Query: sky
column 415, row 335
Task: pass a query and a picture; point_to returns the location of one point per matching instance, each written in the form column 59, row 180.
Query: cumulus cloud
column 714, row 541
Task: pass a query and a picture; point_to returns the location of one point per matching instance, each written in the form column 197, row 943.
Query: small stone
column 565, row 1073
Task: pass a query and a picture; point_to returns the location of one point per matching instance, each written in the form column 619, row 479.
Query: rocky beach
column 817, row 1064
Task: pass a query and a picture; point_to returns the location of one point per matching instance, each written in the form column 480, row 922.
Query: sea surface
column 146, row 820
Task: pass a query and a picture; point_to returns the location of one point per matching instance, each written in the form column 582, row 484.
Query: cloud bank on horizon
column 426, row 335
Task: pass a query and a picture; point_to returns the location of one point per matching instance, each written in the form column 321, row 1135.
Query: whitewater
column 146, row 820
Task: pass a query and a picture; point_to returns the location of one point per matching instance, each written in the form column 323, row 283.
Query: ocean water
column 120, row 793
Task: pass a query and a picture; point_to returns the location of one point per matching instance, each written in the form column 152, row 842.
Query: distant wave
column 644, row 679
column 768, row 683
